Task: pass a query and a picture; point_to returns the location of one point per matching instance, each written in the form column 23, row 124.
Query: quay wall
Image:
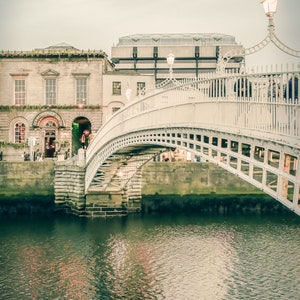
column 29, row 186
column 192, row 178
column 201, row 187
column 26, row 186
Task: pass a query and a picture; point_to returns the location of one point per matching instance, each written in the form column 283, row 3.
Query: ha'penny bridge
column 248, row 124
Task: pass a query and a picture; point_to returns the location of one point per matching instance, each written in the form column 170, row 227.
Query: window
column 81, row 90
column 141, row 88
column 155, row 52
column 134, row 52
column 50, row 91
column 116, row 88
column 197, row 51
column 115, row 109
column 50, row 76
column 19, row 132
column 19, row 92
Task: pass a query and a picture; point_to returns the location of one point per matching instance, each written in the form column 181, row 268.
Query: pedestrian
column 291, row 91
column 26, row 156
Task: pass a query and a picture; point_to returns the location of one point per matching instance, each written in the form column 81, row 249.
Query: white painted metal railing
column 261, row 105
column 263, row 102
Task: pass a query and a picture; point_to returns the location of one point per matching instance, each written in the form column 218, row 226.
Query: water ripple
column 182, row 259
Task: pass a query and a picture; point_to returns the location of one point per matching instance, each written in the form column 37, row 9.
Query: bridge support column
column 106, row 203
column 69, row 188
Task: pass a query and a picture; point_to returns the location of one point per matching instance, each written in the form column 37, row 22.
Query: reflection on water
column 151, row 257
column 168, row 258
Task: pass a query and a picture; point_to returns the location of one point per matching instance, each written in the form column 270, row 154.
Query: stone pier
column 70, row 195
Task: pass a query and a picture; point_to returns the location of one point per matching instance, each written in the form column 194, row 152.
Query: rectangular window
column 81, row 90
column 50, row 91
column 134, row 52
column 155, row 52
column 19, row 92
column 141, row 88
column 197, row 51
column 116, row 88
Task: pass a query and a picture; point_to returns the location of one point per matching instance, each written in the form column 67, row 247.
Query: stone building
column 53, row 100
column 194, row 53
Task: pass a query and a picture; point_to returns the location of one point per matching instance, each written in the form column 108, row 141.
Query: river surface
column 150, row 257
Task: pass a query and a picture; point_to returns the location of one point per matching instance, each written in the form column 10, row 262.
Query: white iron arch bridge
column 248, row 124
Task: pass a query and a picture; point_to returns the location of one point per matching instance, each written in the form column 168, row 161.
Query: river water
column 151, row 257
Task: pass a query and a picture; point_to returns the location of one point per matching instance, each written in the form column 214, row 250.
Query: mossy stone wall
column 26, row 187
column 192, row 178
column 201, row 187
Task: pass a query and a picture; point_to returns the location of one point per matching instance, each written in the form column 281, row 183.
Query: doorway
column 49, row 143
column 81, row 130
column 49, row 127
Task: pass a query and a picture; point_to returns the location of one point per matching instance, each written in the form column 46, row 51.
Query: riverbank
column 212, row 204
column 201, row 188
column 27, row 188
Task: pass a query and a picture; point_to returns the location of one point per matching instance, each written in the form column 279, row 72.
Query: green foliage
column 42, row 107
column 13, row 145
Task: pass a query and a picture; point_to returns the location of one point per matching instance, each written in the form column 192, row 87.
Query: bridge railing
column 264, row 103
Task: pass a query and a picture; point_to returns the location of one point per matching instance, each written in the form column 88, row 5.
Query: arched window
column 19, row 132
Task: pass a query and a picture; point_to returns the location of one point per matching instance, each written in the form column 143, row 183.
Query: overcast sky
column 98, row 24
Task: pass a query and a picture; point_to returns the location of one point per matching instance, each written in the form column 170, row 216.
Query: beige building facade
column 122, row 88
column 53, row 100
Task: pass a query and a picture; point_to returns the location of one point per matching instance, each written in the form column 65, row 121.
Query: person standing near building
column 84, row 138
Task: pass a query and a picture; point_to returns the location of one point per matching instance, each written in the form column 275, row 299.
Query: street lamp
column 270, row 8
column 170, row 60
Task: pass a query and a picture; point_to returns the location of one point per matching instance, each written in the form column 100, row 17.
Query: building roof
column 58, row 50
column 172, row 39
column 62, row 46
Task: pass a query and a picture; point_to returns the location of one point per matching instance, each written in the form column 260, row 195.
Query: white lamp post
column 270, row 8
column 170, row 60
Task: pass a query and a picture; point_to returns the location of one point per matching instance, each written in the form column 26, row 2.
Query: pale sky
column 98, row 24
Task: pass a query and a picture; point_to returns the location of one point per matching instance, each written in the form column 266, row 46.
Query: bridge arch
column 253, row 160
column 252, row 135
